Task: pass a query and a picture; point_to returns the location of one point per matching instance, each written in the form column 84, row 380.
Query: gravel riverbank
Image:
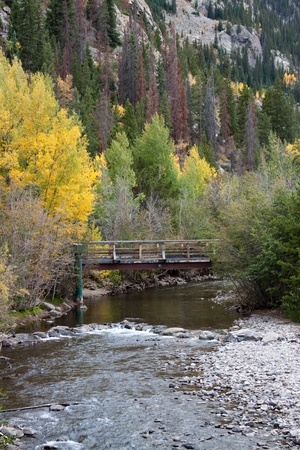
column 255, row 376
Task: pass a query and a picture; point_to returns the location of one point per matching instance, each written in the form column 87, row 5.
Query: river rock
column 48, row 306
column 172, row 331
column 29, row 431
column 11, row 431
column 295, row 435
column 126, row 324
column 255, row 376
column 66, row 307
column 62, row 445
column 19, row 338
column 244, row 334
column 40, row 334
column 270, row 337
column 57, row 408
column 207, row 336
column 60, row 330
column 55, row 313
column 6, row 343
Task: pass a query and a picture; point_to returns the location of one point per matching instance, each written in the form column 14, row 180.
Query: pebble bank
column 254, row 374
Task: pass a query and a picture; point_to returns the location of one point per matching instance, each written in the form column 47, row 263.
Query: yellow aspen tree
column 196, row 173
column 41, row 145
column 193, row 222
column 294, row 149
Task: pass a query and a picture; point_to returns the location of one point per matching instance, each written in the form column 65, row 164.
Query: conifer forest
column 157, row 119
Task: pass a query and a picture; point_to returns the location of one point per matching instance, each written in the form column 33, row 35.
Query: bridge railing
column 114, row 251
column 139, row 255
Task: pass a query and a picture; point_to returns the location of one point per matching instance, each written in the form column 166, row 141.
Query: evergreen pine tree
column 152, row 93
column 277, row 107
column 28, row 29
column 129, row 123
column 112, row 32
column 196, row 107
column 128, row 68
column 60, row 23
column 176, row 92
column 243, row 101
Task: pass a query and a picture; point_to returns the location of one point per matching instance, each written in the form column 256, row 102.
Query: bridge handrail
column 149, row 241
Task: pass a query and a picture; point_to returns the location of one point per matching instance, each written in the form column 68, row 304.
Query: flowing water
column 117, row 382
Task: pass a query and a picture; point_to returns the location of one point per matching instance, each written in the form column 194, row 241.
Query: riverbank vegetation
column 141, row 135
column 257, row 216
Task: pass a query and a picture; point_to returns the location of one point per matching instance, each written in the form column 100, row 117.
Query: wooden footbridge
column 142, row 255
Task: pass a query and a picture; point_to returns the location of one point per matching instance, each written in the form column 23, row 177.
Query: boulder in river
column 57, row 407
column 207, row 335
column 172, row 331
column 9, row 431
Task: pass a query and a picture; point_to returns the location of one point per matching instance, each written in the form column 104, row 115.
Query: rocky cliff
column 193, row 23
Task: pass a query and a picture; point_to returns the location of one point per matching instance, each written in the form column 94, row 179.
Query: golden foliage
column 294, row 149
column 237, row 88
column 41, row 145
column 65, row 90
column 119, row 111
column 192, row 79
column 289, row 79
column 196, row 173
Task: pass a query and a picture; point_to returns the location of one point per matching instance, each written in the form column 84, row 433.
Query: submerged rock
column 57, row 408
column 172, row 331
column 207, row 336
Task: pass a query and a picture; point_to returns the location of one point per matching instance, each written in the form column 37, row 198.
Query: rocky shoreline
column 254, row 375
column 165, row 279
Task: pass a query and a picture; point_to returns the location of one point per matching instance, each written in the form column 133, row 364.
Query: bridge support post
column 78, row 275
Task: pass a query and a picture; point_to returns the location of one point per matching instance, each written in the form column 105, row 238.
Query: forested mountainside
column 202, row 65
column 121, row 119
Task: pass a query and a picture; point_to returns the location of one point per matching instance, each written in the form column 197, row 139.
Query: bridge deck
column 139, row 255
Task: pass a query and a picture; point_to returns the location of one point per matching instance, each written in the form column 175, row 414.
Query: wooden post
column 163, row 251
column 78, row 275
column 114, row 252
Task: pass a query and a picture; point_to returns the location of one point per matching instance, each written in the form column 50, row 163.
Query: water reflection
column 188, row 306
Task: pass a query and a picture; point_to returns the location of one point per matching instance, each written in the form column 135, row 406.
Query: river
column 118, row 383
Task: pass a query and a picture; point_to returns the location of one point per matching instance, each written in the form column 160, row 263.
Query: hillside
column 168, row 58
column 254, row 25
